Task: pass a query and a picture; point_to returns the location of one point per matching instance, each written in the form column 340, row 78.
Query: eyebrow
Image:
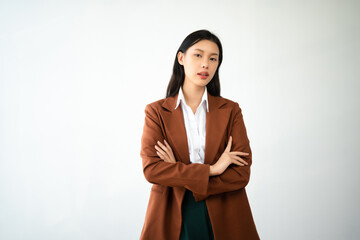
column 203, row 51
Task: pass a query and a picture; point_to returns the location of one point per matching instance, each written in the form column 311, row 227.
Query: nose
column 205, row 64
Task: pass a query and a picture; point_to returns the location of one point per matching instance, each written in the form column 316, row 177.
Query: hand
column 226, row 159
column 165, row 152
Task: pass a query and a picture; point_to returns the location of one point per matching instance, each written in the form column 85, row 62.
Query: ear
column 180, row 57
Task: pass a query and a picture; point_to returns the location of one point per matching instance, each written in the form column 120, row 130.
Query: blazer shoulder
column 229, row 103
column 155, row 105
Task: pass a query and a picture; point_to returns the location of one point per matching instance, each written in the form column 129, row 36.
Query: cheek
column 214, row 68
column 189, row 69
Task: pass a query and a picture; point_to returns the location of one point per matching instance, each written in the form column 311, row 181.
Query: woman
column 196, row 152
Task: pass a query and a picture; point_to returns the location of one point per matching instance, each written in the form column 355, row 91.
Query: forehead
column 206, row 46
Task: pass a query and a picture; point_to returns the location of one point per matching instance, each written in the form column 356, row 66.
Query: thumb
column 228, row 147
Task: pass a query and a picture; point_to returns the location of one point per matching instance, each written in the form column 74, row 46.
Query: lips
column 203, row 73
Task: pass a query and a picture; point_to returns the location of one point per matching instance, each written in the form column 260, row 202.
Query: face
column 200, row 62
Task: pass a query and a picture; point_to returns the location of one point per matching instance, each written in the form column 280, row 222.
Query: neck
column 192, row 93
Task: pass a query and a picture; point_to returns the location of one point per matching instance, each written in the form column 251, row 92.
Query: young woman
column 196, row 152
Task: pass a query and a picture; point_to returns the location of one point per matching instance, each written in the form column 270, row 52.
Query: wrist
column 212, row 171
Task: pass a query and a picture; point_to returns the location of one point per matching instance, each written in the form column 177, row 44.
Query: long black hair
column 178, row 74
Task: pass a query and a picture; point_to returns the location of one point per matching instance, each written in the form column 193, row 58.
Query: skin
column 202, row 56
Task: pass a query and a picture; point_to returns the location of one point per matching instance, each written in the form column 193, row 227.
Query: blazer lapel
column 217, row 120
column 175, row 129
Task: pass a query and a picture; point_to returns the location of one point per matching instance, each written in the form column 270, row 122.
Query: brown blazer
column 225, row 194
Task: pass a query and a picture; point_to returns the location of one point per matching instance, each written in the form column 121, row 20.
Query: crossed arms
column 195, row 177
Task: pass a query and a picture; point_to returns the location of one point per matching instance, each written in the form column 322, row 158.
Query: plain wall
column 75, row 77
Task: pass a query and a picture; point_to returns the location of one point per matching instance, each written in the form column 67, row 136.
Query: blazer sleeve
column 234, row 177
column 194, row 177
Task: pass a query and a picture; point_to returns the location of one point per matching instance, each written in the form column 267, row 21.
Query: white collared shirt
column 195, row 125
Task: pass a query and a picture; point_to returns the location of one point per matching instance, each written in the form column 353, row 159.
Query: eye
column 197, row 55
column 213, row 59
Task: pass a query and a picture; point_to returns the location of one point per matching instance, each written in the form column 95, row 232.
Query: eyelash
column 210, row 58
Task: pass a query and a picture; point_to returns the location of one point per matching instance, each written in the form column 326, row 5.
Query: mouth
column 203, row 73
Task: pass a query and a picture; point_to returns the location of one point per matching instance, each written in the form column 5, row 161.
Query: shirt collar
column 204, row 98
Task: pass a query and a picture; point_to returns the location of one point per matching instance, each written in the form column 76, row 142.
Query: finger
column 240, row 153
column 161, row 151
column 237, row 163
column 160, row 155
column 240, row 160
column 228, row 147
column 170, row 155
column 163, row 157
column 164, row 147
column 168, row 145
column 161, row 145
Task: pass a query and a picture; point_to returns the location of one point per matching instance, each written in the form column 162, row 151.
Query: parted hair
column 178, row 74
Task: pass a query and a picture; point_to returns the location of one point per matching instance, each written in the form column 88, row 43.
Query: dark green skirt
column 196, row 223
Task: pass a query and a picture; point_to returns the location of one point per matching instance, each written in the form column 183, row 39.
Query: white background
column 75, row 77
